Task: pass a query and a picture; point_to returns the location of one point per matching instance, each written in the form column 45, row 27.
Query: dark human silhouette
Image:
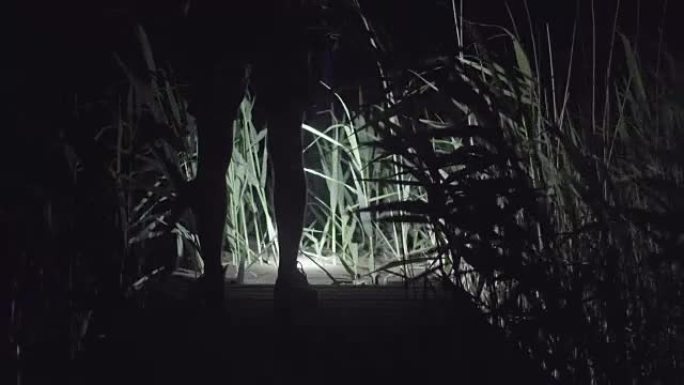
column 265, row 38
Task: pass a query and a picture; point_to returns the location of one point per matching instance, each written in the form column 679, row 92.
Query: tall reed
column 558, row 220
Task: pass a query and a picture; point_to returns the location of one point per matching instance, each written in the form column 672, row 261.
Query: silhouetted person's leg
column 215, row 65
column 285, row 150
column 281, row 85
column 217, row 94
column 275, row 46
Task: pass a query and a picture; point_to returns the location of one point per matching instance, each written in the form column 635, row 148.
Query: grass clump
column 558, row 220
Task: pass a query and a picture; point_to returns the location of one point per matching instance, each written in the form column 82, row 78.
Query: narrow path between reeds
column 378, row 335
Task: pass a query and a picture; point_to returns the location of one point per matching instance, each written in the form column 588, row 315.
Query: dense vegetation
column 548, row 190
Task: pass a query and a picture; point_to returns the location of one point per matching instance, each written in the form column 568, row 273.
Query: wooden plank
column 357, row 334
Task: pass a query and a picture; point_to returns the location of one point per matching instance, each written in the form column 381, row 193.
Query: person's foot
column 209, row 291
column 293, row 290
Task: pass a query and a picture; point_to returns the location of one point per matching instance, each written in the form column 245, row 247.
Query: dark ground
column 357, row 335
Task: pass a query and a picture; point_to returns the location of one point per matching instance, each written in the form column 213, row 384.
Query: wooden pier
column 357, row 335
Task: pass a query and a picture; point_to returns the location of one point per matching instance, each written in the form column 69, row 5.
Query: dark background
column 77, row 34
column 58, row 49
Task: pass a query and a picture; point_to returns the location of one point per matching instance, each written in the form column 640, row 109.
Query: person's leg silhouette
column 217, row 92
column 275, row 47
column 281, row 83
column 215, row 60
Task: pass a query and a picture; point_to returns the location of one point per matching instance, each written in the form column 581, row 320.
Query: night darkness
column 344, row 191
